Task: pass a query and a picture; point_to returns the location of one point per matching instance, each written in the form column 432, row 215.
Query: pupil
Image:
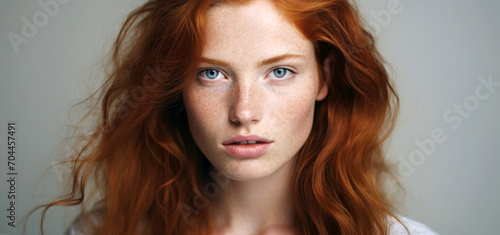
column 279, row 72
column 212, row 74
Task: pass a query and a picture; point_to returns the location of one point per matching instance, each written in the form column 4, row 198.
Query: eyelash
column 204, row 71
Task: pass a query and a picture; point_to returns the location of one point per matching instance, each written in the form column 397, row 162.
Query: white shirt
column 414, row 227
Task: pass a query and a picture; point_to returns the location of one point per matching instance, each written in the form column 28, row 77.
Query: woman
column 241, row 117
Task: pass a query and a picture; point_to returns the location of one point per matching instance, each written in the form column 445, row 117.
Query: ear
column 327, row 79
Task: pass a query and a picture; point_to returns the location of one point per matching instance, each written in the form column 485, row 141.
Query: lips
column 248, row 142
column 249, row 146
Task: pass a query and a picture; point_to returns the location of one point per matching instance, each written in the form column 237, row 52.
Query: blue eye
column 281, row 72
column 210, row 74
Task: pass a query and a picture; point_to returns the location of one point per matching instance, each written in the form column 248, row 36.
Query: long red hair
column 147, row 168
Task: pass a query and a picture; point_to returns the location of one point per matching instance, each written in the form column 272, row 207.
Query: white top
column 414, row 227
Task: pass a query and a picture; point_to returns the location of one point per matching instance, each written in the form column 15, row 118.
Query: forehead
column 252, row 30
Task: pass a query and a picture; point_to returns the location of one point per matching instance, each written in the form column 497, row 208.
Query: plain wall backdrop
column 444, row 58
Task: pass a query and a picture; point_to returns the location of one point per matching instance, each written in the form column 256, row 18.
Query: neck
column 256, row 206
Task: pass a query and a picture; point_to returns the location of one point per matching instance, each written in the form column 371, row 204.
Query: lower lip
column 247, row 150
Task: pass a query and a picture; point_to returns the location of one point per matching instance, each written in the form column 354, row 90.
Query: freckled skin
column 247, row 98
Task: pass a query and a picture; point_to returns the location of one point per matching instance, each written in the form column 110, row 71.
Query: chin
column 249, row 169
column 246, row 170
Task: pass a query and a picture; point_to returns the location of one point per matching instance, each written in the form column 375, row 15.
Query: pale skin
column 258, row 75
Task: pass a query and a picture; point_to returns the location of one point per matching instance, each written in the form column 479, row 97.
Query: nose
column 246, row 104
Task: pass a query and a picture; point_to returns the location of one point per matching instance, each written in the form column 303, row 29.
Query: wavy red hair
column 142, row 157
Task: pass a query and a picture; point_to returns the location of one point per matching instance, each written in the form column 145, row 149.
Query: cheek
column 203, row 109
column 295, row 111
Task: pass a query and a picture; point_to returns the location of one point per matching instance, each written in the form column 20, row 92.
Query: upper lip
column 243, row 138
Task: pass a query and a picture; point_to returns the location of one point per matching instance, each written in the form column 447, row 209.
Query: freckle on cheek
column 207, row 104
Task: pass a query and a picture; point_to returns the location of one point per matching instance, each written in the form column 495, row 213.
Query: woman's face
column 250, row 107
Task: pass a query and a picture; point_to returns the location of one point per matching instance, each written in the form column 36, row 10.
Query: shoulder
column 85, row 224
column 414, row 227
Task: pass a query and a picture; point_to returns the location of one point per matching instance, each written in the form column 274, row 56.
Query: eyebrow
column 261, row 63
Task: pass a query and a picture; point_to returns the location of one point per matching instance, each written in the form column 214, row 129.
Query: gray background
column 437, row 51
